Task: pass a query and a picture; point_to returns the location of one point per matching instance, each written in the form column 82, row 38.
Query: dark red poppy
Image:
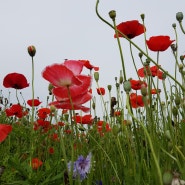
column 137, row 84
column 101, row 91
column 136, row 100
column 130, row 29
column 43, row 113
column 15, row 80
column 86, row 119
column 51, row 150
column 36, row 163
column 159, row 43
column 88, row 65
column 35, row 102
column 4, row 131
column 16, row 110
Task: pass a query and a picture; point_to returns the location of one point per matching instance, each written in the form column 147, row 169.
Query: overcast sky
column 70, row 29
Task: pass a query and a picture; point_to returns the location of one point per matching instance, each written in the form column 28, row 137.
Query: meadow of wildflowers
column 140, row 139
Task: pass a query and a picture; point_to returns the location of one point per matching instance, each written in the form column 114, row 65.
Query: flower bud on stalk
column 179, row 16
column 112, row 14
column 127, row 86
column 174, row 25
column 31, row 50
column 182, row 58
column 109, row 87
column 142, row 16
column 177, row 100
column 96, row 76
column 143, row 90
column 175, row 111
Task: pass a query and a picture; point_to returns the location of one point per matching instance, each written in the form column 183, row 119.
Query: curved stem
column 120, row 50
column 136, row 46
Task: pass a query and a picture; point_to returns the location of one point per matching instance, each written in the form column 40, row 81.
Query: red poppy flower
column 35, row 102
column 51, row 150
column 137, row 84
column 64, row 75
column 155, row 91
column 154, row 71
column 130, row 29
column 136, row 100
column 15, row 80
column 16, row 110
column 159, row 43
column 88, row 65
column 4, row 131
column 43, row 112
column 101, row 91
column 86, row 119
column 36, row 163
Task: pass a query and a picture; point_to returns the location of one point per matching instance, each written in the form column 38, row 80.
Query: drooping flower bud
column 179, row 16
column 31, row 50
column 112, row 14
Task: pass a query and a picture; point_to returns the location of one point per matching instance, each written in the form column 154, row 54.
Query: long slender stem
column 136, row 46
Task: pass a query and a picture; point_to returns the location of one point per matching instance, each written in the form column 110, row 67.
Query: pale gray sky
column 61, row 29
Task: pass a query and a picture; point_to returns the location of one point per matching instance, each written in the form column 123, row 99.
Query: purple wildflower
column 81, row 167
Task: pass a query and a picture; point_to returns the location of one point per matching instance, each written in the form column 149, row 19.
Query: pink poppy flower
column 65, row 74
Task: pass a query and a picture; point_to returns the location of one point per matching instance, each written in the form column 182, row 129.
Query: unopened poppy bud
column 147, row 61
column 121, row 78
column 175, row 111
column 96, row 76
column 174, row 47
column 162, row 103
column 140, row 55
column 142, row 16
column 181, row 67
column 117, row 85
column 93, row 105
column 31, row 50
column 127, row 86
column 177, row 100
column 109, row 87
column 167, row 178
column 179, row 16
column 112, row 14
column 182, row 57
column 52, row 108
column 164, row 76
column 50, row 87
column 143, row 90
column 174, row 25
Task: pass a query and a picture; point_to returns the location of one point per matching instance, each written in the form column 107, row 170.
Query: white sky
column 70, row 29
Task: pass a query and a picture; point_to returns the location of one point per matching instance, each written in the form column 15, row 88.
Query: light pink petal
column 59, row 75
column 74, row 65
column 62, row 94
